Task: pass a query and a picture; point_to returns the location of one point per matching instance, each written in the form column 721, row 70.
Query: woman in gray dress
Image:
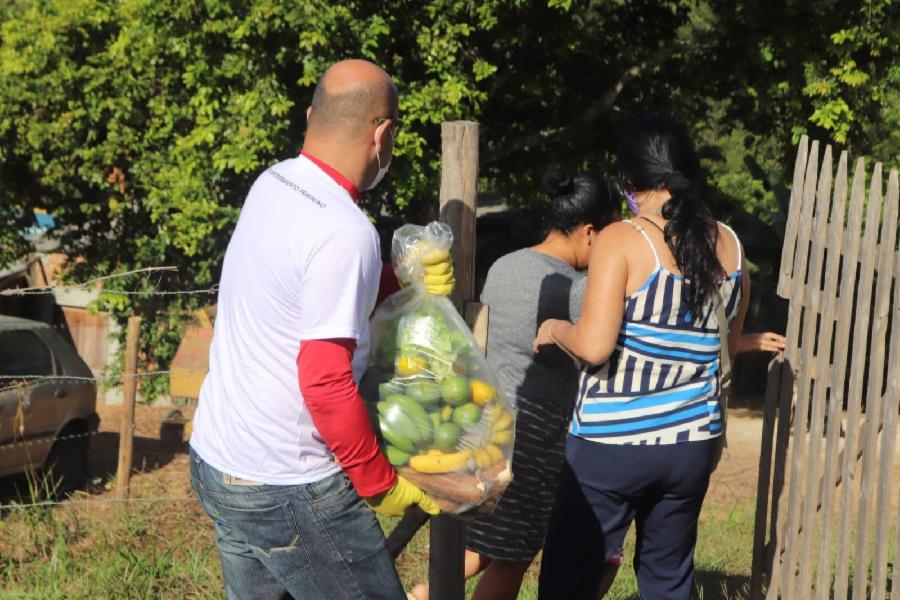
column 523, row 289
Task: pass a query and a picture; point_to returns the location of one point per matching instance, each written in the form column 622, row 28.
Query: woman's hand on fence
column 761, row 342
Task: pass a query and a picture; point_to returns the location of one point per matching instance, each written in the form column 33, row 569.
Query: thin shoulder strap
column 646, row 237
column 736, row 241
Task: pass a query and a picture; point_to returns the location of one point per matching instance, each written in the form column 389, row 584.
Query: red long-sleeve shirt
column 339, row 414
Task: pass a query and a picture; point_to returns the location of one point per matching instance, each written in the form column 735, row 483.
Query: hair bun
column 558, row 182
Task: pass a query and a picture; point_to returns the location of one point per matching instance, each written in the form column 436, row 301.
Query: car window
column 23, row 353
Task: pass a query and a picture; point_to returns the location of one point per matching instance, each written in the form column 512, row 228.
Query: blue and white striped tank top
column 660, row 385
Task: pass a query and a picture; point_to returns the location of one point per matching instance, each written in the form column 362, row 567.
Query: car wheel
column 66, row 467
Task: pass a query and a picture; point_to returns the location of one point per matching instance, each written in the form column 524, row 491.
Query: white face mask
column 382, row 170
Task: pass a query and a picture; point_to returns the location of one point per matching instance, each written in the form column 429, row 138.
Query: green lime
column 396, row 457
column 455, row 390
column 446, row 436
column 467, row 414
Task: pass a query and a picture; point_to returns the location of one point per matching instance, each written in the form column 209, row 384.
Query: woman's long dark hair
column 656, row 152
column 577, row 199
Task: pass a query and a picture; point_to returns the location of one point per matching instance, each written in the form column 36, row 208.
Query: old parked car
column 47, row 405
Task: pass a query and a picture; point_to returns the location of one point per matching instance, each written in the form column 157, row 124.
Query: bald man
column 283, row 455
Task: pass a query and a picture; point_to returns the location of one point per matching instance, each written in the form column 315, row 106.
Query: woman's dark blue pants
column 603, row 488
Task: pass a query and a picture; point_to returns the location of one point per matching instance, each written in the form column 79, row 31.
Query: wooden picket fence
column 826, row 515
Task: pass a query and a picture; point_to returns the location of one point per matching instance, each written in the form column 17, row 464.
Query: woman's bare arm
column 594, row 337
column 736, row 330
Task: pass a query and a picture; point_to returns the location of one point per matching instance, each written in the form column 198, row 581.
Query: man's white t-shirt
column 304, row 263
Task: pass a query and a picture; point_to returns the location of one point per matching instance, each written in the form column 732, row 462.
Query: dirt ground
column 734, row 482
column 160, row 460
column 161, row 467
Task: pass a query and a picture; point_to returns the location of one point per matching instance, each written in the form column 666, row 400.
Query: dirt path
column 734, row 482
column 160, row 455
column 162, row 465
column 741, row 462
column 161, row 460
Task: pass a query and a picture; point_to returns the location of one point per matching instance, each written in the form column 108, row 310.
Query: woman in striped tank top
column 642, row 439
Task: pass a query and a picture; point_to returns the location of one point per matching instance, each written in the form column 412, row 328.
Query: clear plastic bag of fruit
column 444, row 422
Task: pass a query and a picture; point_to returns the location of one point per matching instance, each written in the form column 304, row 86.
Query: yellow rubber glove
column 395, row 501
column 438, row 268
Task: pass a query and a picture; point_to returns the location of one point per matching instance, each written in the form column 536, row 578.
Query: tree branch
column 606, row 102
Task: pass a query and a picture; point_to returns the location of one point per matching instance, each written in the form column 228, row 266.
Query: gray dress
column 523, row 289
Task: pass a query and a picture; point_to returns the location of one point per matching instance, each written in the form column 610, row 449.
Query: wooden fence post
column 129, row 381
column 458, row 201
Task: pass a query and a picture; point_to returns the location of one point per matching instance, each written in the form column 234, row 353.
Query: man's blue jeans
column 317, row 541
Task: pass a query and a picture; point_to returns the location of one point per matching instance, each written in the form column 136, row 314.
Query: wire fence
column 732, row 486
column 20, row 381
column 723, row 485
column 25, row 445
column 94, row 285
column 52, row 290
column 96, row 501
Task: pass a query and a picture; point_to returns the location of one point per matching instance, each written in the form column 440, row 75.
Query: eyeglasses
column 396, row 124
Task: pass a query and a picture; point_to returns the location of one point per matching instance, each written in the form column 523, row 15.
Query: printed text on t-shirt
column 297, row 189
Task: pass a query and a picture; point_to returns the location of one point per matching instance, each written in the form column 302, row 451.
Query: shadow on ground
column 148, row 455
column 716, row 585
column 721, row 586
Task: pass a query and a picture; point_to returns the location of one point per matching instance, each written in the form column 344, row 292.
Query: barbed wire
column 734, row 475
column 732, row 495
column 76, row 436
column 7, row 446
column 52, row 290
column 114, row 381
column 62, row 438
column 82, row 378
column 70, row 502
column 92, row 283
column 736, row 497
column 102, row 278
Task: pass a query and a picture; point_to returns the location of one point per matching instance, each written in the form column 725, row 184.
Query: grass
column 121, row 555
column 167, row 550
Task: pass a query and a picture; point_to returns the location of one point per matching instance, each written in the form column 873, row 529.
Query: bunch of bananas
column 438, row 267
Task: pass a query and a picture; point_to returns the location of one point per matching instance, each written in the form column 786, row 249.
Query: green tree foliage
column 12, row 244
column 140, row 124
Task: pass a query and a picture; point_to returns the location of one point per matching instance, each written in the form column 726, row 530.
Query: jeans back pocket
column 268, row 527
